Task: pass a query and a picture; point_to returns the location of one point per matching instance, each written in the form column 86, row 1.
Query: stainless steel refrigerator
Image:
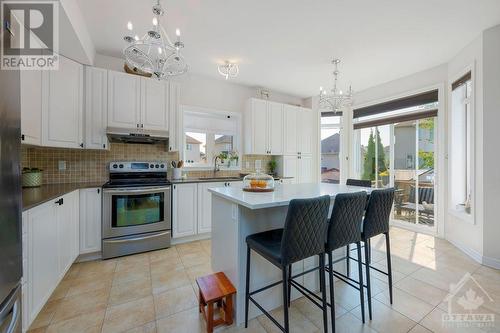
column 10, row 203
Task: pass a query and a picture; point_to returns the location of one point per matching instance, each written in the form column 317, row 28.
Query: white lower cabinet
column 49, row 249
column 184, row 212
column 90, row 220
column 192, row 208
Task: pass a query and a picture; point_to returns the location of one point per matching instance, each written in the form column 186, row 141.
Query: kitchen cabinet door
column 185, row 208
column 62, row 106
column 306, row 130
column 43, row 261
column 175, row 124
column 205, row 206
column 290, row 116
column 154, row 99
column 96, row 108
column 290, row 167
column 90, row 220
column 306, row 172
column 124, row 100
column 67, row 216
column 31, row 107
column 275, row 128
column 259, row 127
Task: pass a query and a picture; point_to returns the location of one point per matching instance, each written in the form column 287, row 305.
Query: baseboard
column 468, row 251
column 89, row 256
column 188, row 239
column 491, row 262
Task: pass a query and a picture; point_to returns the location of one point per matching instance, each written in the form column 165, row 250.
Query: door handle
column 59, row 202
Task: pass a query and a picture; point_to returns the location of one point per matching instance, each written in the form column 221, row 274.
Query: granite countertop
column 282, row 194
column 35, row 196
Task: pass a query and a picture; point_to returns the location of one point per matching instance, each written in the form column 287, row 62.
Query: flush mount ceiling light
column 228, row 70
column 154, row 52
column 335, row 100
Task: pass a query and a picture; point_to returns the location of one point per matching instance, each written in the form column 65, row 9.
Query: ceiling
column 287, row 46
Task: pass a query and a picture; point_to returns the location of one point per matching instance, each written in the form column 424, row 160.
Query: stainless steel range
column 136, row 206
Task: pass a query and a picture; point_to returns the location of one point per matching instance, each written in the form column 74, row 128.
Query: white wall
column 207, row 92
column 491, row 145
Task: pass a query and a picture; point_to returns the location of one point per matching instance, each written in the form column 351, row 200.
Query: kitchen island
column 237, row 214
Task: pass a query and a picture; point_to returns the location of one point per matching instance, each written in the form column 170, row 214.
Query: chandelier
column 228, row 69
column 154, row 52
column 335, row 100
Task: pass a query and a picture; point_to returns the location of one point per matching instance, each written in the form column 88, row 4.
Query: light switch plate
column 61, row 165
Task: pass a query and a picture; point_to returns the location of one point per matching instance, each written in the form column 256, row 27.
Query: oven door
column 129, row 211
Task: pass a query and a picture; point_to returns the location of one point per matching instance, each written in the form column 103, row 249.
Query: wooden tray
column 257, row 189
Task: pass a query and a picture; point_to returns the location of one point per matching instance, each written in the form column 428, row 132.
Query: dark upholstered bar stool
column 302, row 237
column 376, row 222
column 345, row 228
column 360, row 183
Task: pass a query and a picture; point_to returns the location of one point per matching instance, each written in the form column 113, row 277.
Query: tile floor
column 156, row 292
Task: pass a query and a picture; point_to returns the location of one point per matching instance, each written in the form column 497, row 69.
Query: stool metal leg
column 389, row 265
column 289, row 285
column 368, row 285
column 361, row 284
column 322, row 283
column 247, row 287
column 285, row 298
column 332, row 288
column 348, row 262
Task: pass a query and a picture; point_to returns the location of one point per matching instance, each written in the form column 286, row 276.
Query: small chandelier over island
column 335, row 100
column 154, row 52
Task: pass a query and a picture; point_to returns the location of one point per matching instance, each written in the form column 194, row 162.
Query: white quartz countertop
column 282, row 194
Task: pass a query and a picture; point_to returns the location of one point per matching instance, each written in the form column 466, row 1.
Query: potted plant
column 223, row 157
column 233, row 158
column 272, row 165
column 31, row 177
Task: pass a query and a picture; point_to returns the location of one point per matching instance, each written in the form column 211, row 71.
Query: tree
column 369, row 162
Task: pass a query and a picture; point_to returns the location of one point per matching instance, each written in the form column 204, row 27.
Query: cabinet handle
column 142, row 125
column 174, row 187
column 59, row 202
column 98, row 190
column 103, row 145
column 81, row 144
column 22, row 137
column 137, row 125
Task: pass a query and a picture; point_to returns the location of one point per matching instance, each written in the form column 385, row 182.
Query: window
column 330, row 147
column 210, row 134
column 461, row 134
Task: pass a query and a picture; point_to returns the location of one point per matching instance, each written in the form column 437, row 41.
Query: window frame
column 211, row 113
column 338, row 126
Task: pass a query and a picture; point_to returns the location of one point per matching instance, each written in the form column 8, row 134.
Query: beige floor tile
column 89, row 322
column 422, row 290
column 189, row 321
column 61, row 290
column 80, row 304
column 86, row 284
column 314, row 313
column 419, row 329
column 38, row 330
column 406, row 304
column 386, row 319
column 297, row 321
column 138, row 273
column 93, row 268
column 167, row 265
column 441, row 277
column 169, row 280
column 46, row 314
column 434, row 322
column 73, row 272
column 125, row 292
column 163, row 255
column 133, row 265
column 195, row 258
column 129, row 315
column 147, row 328
column 489, row 273
column 175, row 300
column 350, row 324
column 188, row 248
column 198, row 271
column 253, row 327
column 400, row 265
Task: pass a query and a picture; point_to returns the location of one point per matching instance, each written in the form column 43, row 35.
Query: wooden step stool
column 216, row 288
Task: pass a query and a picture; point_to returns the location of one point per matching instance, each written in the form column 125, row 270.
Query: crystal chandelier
column 154, row 52
column 229, row 69
column 335, row 100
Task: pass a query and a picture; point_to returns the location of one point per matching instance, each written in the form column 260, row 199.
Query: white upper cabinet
column 290, row 114
column 300, row 130
column 154, row 110
column 124, row 100
column 96, row 108
column 175, row 126
column 62, row 107
column 263, row 127
column 31, row 107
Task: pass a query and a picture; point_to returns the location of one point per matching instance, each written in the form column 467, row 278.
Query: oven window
column 133, row 210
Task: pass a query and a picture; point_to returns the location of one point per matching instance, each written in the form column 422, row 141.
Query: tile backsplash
column 91, row 165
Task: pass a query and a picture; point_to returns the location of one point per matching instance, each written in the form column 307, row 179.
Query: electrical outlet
column 61, row 165
column 258, row 164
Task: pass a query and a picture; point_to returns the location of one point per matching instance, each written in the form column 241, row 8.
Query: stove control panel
column 137, row 166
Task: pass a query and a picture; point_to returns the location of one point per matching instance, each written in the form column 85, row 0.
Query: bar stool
column 302, row 237
column 345, row 228
column 376, row 222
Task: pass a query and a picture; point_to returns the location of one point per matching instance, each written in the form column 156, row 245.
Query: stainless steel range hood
column 124, row 135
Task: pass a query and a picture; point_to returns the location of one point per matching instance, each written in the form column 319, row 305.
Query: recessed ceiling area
column 287, row 45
